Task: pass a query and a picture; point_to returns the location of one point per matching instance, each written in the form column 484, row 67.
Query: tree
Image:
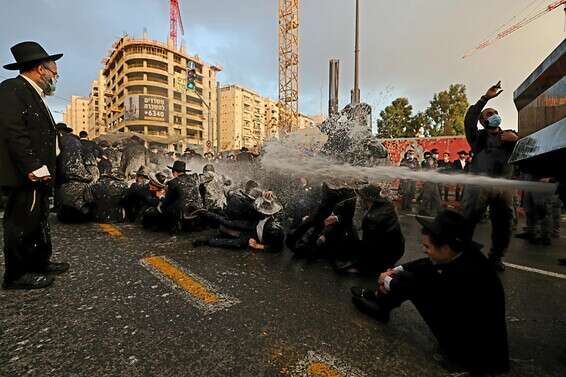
column 446, row 112
column 396, row 120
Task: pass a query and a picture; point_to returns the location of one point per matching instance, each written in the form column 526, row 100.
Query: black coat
column 183, row 196
column 108, row 195
column 382, row 243
column 463, row 303
column 457, row 167
column 139, row 199
column 27, row 133
column 90, row 149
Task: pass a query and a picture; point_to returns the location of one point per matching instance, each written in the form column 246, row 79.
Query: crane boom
column 515, row 27
column 175, row 21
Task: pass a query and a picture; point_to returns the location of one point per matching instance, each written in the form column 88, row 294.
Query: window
column 177, row 108
column 177, row 96
column 177, row 120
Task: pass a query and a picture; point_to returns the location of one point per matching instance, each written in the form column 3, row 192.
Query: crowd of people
column 350, row 224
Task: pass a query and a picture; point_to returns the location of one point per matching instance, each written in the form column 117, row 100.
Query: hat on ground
column 157, row 180
column 179, row 166
column 27, row 54
column 371, row 192
column 267, row 206
column 451, row 227
column 141, row 172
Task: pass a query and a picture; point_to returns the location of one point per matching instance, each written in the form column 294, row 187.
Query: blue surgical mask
column 494, row 121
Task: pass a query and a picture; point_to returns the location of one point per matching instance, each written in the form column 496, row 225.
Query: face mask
column 435, row 156
column 409, row 157
column 494, row 121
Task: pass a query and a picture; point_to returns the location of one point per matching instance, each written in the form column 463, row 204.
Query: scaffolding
column 288, row 65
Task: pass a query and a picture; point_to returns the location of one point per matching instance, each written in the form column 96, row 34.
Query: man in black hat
column 455, row 290
column 91, row 154
column 109, row 197
column 182, row 203
column 462, row 166
column 28, row 150
column 382, row 243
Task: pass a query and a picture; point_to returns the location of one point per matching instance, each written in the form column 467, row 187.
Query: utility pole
column 333, row 86
column 355, row 97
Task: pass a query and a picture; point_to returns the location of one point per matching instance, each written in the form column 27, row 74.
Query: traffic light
column 191, row 77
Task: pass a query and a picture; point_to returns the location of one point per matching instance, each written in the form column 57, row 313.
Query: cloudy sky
column 410, row 48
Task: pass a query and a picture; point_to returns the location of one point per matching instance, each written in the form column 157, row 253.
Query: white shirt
column 43, row 171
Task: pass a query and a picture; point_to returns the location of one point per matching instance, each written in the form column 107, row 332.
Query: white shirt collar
column 35, row 86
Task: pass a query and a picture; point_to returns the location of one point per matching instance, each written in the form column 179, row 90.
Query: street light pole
column 355, row 98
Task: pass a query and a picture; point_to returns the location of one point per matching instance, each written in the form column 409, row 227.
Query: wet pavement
column 146, row 304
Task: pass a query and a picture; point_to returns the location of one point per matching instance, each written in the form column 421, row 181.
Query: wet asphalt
column 109, row 316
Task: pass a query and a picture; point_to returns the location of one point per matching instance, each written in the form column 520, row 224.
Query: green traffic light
column 191, row 85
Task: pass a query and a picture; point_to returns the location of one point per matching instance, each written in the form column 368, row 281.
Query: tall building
column 145, row 93
column 246, row 118
column 76, row 114
column 96, row 115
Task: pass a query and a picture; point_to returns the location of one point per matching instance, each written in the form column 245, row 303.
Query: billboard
column 141, row 107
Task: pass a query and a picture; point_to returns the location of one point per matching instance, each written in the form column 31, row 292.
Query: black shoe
column 54, row 268
column 344, row 266
column 371, row 308
column 30, row 281
column 497, row 264
column 363, row 292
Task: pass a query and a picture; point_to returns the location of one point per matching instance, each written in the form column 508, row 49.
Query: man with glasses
column 28, row 150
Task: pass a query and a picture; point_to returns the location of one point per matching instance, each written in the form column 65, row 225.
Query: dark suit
column 457, row 168
column 182, row 199
column 463, row 303
column 27, row 142
column 382, row 243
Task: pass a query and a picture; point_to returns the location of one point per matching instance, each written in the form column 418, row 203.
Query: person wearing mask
column 461, row 166
column 407, row 187
column 492, row 148
column 28, row 150
column 456, row 292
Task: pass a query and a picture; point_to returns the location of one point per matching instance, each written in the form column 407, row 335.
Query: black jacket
column 183, row 195
column 491, row 154
column 457, row 166
column 138, row 199
column 27, row 133
column 108, row 195
column 382, row 243
column 463, row 303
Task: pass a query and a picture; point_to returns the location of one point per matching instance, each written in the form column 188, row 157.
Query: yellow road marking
column 320, row 369
column 190, row 285
column 111, row 230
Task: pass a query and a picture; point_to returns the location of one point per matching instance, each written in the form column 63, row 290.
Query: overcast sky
column 410, row 48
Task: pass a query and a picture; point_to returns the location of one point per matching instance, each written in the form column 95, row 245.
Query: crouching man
column 455, row 290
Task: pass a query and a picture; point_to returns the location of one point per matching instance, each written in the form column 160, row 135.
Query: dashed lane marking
column 317, row 364
column 194, row 288
column 111, row 230
column 535, row 270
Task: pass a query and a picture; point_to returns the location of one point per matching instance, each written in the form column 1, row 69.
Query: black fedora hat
column 29, row 53
column 179, row 166
column 451, row 227
column 63, row 127
column 370, row 191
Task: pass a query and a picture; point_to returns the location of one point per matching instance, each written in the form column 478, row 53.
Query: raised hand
column 494, row 91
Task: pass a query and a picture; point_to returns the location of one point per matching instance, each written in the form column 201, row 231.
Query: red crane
column 502, row 34
column 176, row 20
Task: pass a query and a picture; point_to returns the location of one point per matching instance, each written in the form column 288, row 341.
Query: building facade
column 246, row 118
column 76, row 114
column 144, row 91
column 96, row 114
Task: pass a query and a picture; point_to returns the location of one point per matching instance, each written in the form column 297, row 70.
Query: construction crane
column 174, row 21
column 525, row 21
column 288, row 65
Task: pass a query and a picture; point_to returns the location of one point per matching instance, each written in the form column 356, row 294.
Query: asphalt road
column 146, row 304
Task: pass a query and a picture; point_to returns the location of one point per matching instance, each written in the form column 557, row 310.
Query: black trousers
column 27, row 239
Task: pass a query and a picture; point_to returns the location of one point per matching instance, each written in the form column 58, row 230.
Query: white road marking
column 535, row 270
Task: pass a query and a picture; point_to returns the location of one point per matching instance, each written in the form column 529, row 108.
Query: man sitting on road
column 457, row 293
